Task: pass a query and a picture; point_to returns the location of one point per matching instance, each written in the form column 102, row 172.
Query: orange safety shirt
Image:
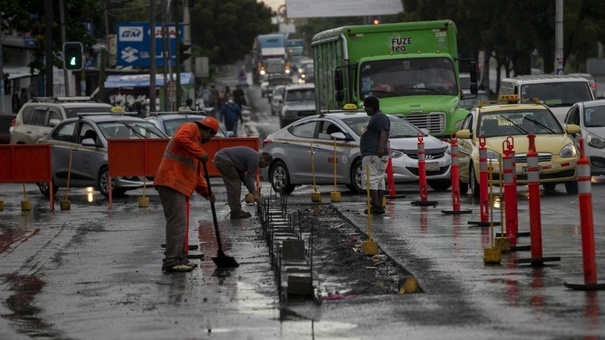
column 180, row 167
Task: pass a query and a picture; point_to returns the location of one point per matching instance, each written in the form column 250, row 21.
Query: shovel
column 221, row 260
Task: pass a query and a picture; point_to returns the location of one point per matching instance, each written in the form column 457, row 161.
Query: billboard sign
column 133, row 45
column 341, row 8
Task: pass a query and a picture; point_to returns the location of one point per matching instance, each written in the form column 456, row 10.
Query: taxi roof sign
column 117, row 109
column 508, row 98
column 350, row 106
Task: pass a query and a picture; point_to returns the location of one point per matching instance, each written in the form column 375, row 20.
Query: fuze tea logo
column 399, row 44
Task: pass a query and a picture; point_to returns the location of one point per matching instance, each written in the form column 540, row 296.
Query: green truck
column 412, row 67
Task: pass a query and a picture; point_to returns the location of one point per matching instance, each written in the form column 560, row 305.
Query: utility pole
column 152, row 66
column 63, row 40
column 1, row 69
column 48, row 50
column 559, row 62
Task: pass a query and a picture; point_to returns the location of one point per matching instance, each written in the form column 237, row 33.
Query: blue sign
column 134, row 42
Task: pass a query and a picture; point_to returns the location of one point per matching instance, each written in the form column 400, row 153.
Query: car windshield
column 558, row 94
column 594, row 116
column 399, row 127
column 300, row 95
column 519, row 122
column 129, row 129
column 414, row 76
column 73, row 112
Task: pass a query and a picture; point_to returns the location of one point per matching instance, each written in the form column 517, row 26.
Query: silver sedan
column 294, row 163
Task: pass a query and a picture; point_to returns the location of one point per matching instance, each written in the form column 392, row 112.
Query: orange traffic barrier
column 535, row 214
column 422, row 175
column 588, row 244
column 455, row 178
column 26, row 164
column 484, row 184
column 142, row 157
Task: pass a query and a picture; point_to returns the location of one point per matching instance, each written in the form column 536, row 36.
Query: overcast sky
column 274, row 4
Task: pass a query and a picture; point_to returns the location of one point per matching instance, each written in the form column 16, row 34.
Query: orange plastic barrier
column 142, row 157
column 26, row 164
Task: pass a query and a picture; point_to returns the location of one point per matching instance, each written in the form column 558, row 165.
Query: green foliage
column 225, row 29
column 29, row 16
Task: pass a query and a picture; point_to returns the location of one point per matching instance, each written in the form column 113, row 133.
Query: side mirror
column 88, row 142
column 338, row 136
column 473, row 74
column 338, row 82
column 572, row 129
column 464, row 134
column 53, row 122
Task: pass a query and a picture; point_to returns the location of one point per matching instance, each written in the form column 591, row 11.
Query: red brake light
column 266, row 142
column 13, row 122
column 593, row 85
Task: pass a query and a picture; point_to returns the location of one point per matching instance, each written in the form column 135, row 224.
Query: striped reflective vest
column 180, row 168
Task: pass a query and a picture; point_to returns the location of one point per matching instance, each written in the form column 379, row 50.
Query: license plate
column 432, row 166
column 525, row 169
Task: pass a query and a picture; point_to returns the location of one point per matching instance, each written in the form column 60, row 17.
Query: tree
column 225, row 29
column 28, row 16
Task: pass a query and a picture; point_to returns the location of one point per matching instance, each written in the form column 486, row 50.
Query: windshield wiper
column 541, row 125
column 514, row 124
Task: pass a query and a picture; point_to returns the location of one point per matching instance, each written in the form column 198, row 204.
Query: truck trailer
column 270, row 56
column 412, row 67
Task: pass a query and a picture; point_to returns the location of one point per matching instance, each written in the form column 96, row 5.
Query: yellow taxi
column 557, row 151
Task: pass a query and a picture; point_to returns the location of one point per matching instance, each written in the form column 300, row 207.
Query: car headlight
column 492, row 156
column 595, row 141
column 568, row 151
column 448, row 148
column 396, row 154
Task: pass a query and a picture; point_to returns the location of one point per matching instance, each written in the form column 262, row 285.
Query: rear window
column 558, row 94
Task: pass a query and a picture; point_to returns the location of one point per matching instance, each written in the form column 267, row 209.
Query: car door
column 87, row 160
column 62, row 140
column 299, row 152
column 465, row 148
column 324, row 154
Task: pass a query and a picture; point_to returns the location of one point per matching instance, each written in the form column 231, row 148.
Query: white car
column 298, row 102
column 291, row 151
column 277, row 99
column 590, row 116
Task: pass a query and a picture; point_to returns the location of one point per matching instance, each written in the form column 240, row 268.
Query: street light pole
column 559, row 62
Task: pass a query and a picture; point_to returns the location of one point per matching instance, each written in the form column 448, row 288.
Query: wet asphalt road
column 94, row 273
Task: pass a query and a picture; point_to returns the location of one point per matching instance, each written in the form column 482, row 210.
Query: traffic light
column 376, row 20
column 73, row 55
column 184, row 51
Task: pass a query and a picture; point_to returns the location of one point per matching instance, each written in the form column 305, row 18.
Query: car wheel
column 440, row 184
column 280, row 179
column 473, row 183
column 549, row 186
column 45, row 189
column 356, row 173
column 571, row 187
column 103, row 184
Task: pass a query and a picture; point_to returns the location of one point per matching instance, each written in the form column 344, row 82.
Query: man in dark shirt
column 374, row 149
column 237, row 165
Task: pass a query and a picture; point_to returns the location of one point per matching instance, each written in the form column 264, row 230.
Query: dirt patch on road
column 339, row 262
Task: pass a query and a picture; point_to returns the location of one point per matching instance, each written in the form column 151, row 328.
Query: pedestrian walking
column 178, row 175
column 237, row 165
column 214, row 99
column 239, row 96
column 375, row 152
column 231, row 115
